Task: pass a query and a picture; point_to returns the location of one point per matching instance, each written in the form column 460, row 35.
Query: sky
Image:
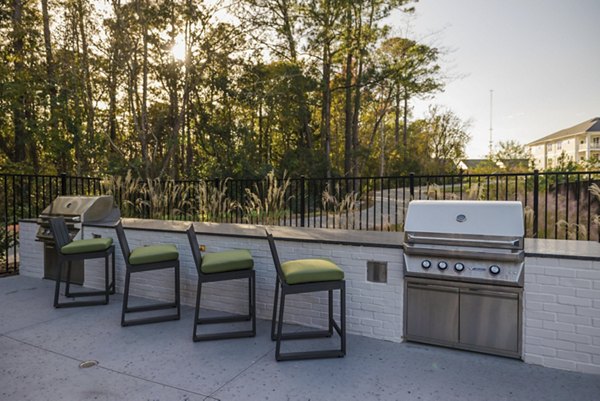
column 541, row 58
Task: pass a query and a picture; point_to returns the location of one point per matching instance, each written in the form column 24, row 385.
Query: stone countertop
column 543, row 248
column 562, row 249
column 318, row 235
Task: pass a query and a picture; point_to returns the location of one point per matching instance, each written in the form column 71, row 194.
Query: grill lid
column 87, row 208
column 77, row 210
column 467, row 219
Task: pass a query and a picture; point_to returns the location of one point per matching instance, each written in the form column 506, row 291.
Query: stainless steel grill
column 464, row 264
column 76, row 210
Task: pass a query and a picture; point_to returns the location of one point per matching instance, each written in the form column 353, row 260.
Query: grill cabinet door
column 432, row 313
column 490, row 320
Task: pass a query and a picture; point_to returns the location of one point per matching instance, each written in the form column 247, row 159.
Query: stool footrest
column 80, row 303
column 223, row 319
column 294, row 356
column 147, row 308
column 305, row 335
column 147, row 320
column 224, row 336
column 84, row 294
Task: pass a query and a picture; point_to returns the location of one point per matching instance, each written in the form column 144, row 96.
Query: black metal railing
column 558, row 205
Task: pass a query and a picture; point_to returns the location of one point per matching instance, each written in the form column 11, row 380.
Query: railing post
column 302, row 201
column 536, row 190
column 63, row 184
column 411, row 184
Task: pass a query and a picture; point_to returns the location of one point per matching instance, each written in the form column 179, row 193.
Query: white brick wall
column 562, row 314
column 373, row 309
column 31, row 252
column 561, row 327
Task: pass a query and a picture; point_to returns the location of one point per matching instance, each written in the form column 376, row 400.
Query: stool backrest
column 60, row 232
column 123, row 241
column 276, row 261
column 191, row 233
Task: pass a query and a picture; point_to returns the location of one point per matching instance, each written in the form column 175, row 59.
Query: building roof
column 514, row 163
column 592, row 125
column 474, row 163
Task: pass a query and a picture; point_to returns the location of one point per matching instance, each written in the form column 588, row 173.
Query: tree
column 412, row 69
column 513, row 156
column 165, row 88
column 279, row 23
column 447, row 138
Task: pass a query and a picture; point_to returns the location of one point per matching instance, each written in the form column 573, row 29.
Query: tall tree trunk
column 260, row 128
column 112, row 76
column 189, row 155
column 397, row 118
column 19, row 119
column 355, row 117
column 382, row 148
column 144, row 113
column 348, row 159
column 75, row 115
column 304, row 115
column 50, row 72
column 358, row 87
column 405, row 127
column 326, row 109
column 89, row 94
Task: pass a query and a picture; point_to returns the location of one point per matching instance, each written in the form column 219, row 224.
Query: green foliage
column 595, row 191
column 342, row 207
column 211, row 202
column 126, row 192
column 170, row 89
column 267, row 203
column 564, row 163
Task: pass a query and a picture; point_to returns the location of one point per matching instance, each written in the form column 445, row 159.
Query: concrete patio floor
column 41, row 349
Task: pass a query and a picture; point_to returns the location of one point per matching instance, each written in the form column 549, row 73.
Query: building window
column 596, row 141
column 549, row 163
column 549, row 147
column 558, row 145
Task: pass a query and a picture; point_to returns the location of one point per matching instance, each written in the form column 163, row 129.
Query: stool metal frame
column 60, row 233
column 144, row 268
column 213, row 277
column 279, row 304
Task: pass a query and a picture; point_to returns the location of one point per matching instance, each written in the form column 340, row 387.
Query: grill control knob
column 425, row 264
column 459, row 267
column 442, row 265
column 494, row 269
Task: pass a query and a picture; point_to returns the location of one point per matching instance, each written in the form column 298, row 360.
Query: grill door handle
column 500, row 294
column 440, row 240
column 432, row 287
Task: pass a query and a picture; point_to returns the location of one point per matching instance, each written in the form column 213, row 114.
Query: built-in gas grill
column 76, row 210
column 464, row 265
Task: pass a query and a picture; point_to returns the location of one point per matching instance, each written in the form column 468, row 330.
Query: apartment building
column 577, row 143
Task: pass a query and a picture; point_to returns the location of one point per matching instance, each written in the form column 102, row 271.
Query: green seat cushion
column 226, row 261
column 311, row 271
column 153, row 254
column 87, row 246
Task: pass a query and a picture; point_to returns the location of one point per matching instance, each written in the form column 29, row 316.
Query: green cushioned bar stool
column 303, row 276
column 68, row 251
column 144, row 259
column 222, row 266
